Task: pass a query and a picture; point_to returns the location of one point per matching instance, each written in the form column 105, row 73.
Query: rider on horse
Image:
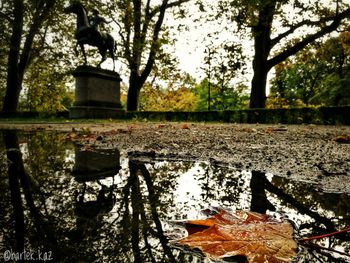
column 87, row 32
column 95, row 20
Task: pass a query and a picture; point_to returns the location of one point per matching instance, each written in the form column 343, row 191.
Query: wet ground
column 82, row 195
column 308, row 153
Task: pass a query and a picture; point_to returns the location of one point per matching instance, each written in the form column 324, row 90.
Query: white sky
column 191, row 44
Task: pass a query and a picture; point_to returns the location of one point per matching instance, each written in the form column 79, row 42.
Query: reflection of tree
column 15, row 168
column 221, row 183
column 142, row 226
column 49, row 207
column 259, row 184
column 19, row 179
column 259, row 201
column 260, row 181
column 310, row 197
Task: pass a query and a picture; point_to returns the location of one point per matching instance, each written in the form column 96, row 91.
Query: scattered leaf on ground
column 71, row 136
column 185, row 126
column 343, row 138
column 123, row 130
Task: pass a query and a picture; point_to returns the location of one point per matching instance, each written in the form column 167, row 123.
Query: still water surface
column 77, row 203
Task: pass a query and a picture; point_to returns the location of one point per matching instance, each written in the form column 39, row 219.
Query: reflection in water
column 91, row 205
column 90, row 213
column 15, row 172
column 259, row 201
column 94, row 165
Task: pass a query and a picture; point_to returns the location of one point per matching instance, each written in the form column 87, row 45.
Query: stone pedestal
column 97, row 93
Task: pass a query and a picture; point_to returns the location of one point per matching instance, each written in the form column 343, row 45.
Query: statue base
column 97, row 93
column 88, row 112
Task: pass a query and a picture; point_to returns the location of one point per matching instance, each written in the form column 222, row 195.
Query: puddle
column 76, row 203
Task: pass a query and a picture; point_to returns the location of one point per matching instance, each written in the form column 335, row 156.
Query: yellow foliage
column 182, row 99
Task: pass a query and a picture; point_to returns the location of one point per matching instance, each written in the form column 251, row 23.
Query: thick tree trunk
column 133, row 98
column 14, row 80
column 258, row 88
column 263, row 45
column 262, row 48
column 135, row 85
column 19, row 57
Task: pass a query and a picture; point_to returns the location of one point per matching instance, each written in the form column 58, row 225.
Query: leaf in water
column 255, row 236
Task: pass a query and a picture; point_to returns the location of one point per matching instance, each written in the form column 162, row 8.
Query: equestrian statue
column 88, row 32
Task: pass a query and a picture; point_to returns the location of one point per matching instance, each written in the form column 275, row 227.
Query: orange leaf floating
column 258, row 237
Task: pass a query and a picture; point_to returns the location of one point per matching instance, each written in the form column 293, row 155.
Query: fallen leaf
column 249, row 130
column 71, row 136
column 255, row 236
column 276, row 129
column 343, row 139
column 185, row 126
column 125, row 131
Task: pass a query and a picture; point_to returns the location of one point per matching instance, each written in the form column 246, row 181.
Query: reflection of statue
column 96, row 164
column 89, row 213
column 88, row 33
column 91, row 166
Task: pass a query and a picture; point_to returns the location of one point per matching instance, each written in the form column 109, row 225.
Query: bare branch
column 154, row 45
column 136, row 49
column 6, row 17
column 309, row 39
column 169, row 5
column 295, row 27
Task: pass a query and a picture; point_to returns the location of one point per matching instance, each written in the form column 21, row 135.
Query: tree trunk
column 258, row 91
column 135, row 85
column 14, row 81
column 262, row 47
column 17, row 61
column 133, row 98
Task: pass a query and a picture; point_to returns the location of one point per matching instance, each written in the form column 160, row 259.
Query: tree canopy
column 319, row 75
column 280, row 29
column 37, row 43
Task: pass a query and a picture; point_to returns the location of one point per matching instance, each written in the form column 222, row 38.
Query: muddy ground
column 316, row 154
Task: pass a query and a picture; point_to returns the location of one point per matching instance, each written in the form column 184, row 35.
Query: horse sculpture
column 87, row 34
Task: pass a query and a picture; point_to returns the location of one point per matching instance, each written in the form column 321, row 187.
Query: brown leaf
column 258, row 237
column 343, row 138
column 185, row 126
column 71, row 136
column 125, row 131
